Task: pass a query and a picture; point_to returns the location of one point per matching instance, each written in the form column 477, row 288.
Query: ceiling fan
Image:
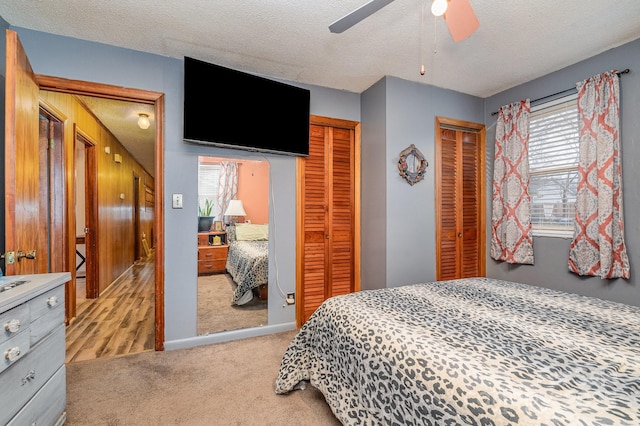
column 458, row 14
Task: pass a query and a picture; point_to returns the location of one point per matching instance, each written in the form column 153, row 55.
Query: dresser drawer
column 213, row 253
column 47, row 312
column 19, row 344
column 47, row 406
column 44, row 324
column 203, row 239
column 22, row 380
column 211, row 266
column 17, row 317
column 43, row 304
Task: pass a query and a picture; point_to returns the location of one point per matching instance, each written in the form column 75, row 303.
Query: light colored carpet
column 229, row 383
column 215, row 311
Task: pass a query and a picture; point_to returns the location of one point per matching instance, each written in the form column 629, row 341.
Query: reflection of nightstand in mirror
column 212, row 252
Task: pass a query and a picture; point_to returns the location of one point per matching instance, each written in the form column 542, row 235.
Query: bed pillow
column 252, row 232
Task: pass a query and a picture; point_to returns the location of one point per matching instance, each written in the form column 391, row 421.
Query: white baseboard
column 226, row 336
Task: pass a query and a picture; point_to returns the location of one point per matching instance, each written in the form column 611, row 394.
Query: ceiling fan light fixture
column 143, row 121
column 438, row 7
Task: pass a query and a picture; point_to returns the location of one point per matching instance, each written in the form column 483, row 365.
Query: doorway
column 51, row 194
column 156, row 100
column 86, row 210
column 26, row 208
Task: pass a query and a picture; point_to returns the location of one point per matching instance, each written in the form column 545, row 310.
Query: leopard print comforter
column 470, row 352
column 248, row 265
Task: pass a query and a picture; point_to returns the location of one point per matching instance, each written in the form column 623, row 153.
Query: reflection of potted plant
column 205, row 220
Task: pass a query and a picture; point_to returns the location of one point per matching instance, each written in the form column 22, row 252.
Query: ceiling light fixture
column 439, row 7
column 143, row 121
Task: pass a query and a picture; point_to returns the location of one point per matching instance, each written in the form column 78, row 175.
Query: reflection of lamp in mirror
column 234, row 210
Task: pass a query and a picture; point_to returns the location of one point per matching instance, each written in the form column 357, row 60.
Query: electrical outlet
column 291, row 298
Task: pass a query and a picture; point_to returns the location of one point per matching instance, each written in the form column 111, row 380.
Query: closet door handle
column 459, row 234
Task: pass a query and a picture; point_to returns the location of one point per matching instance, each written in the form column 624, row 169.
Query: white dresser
column 32, row 349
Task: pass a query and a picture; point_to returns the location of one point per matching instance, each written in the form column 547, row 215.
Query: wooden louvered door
column 328, row 224
column 460, row 199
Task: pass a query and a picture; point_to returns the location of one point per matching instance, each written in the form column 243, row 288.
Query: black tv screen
column 233, row 109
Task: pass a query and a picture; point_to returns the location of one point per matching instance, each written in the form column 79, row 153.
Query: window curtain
column 511, row 239
column 598, row 248
column 227, row 186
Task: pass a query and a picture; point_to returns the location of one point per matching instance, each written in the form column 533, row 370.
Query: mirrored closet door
column 232, row 238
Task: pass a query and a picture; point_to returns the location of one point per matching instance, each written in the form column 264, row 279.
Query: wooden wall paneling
column 115, row 245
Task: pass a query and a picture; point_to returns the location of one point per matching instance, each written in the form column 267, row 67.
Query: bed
column 248, row 260
column 475, row 351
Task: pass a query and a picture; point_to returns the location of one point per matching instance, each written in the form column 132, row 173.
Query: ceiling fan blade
column 358, row 15
column 461, row 19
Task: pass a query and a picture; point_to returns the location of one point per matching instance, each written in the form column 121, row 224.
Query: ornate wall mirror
column 412, row 165
column 233, row 262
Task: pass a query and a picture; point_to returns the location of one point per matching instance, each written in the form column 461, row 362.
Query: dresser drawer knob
column 12, row 326
column 52, row 301
column 29, row 377
column 12, row 354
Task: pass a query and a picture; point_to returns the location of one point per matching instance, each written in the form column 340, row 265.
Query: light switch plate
column 177, row 201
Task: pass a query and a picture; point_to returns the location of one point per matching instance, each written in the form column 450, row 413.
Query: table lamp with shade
column 234, row 210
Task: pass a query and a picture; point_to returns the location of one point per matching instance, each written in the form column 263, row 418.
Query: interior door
column 328, row 212
column 24, row 236
column 460, row 206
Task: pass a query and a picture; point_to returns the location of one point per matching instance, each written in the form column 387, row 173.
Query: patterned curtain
column 511, row 239
column 598, row 247
column 227, row 187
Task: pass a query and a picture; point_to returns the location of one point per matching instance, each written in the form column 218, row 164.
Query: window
column 553, row 166
column 208, row 177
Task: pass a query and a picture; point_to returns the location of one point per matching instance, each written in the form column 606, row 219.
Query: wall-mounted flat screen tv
column 233, row 109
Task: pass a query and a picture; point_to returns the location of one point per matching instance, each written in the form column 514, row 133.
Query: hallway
column 120, row 322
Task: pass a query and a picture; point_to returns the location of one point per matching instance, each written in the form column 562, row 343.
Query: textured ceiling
column 121, row 118
column 518, row 40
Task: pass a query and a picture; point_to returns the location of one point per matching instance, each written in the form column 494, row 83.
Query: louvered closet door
column 327, row 215
column 315, row 225
column 460, row 235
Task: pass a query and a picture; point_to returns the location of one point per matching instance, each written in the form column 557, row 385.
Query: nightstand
column 212, row 258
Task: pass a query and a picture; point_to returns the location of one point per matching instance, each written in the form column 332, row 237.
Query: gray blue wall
column 82, row 60
column 551, row 254
column 398, row 220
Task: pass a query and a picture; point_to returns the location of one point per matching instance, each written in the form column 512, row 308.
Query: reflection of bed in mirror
column 248, row 261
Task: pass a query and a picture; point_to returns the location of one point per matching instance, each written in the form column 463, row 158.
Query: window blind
column 553, row 165
column 208, row 177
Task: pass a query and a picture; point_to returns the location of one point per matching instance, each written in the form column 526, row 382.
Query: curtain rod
column 625, row 71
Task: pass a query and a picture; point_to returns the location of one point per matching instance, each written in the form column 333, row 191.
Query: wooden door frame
column 136, row 217
column 471, row 127
column 54, row 147
column 58, row 84
column 91, row 214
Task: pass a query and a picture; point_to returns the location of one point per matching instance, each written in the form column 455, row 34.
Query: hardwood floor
column 120, row 322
